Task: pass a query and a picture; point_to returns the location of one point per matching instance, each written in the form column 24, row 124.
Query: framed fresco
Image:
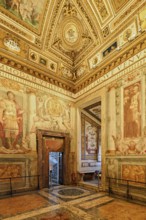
column 132, row 110
column 29, row 13
column 89, row 138
column 134, row 173
column 110, row 49
column 13, row 136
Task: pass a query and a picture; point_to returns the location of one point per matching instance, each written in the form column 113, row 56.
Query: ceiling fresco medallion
column 71, row 38
column 71, row 33
column 68, row 35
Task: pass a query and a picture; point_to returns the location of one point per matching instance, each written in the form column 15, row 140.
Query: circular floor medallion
column 70, row 192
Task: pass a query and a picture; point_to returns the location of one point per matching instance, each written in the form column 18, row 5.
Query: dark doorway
column 48, row 142
column 55, row 168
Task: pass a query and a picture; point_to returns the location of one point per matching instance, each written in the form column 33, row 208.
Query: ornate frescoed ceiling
column 70, row 43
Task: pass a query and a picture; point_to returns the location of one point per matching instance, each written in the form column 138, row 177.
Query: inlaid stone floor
column 69, row 203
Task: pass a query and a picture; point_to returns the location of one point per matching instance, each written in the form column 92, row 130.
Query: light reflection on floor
column 69, row 203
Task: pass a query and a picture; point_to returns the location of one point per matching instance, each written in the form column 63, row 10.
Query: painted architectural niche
column 89, row 138
column 132, row 111
column 125, row 158
column 12, row 137
column 127, row 130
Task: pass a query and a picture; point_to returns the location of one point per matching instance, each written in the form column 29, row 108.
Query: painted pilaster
column 111, row 112
column 32, row 113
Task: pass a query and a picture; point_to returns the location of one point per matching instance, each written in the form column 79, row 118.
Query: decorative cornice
column 31, row 70
column 136, row 46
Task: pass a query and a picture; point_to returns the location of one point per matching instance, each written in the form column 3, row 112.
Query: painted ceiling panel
column 69, row 40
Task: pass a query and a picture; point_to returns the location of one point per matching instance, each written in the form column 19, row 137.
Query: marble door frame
column 43, row 157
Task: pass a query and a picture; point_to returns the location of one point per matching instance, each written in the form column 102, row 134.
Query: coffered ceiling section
column 67, row 42
column 94, row 110
column 70, row 34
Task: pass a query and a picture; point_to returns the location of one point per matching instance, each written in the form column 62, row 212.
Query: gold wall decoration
column 52, row 66
column 106, row 32
column 41, row 60
column 65, row 72
column 71, row 37
column 128, row 34
column 101, row 7
column 68, row 35
column 80, row 71
column 11, row 43
column 119, row 4
column 142, row 17
column 16, row 30
column 131, row 11
column 94, row 61
column 33, row 56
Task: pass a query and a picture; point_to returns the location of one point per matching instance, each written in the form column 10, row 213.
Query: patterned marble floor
column 69, row 203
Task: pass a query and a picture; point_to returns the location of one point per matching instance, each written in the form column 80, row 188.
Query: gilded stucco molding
column 19, row 65
column 74, row 72
column 132, row 10
column 133, row 49
column 87, row 17
column 14, row 29
column 68, row 33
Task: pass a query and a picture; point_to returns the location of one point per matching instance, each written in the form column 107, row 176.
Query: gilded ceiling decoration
column 70, row 43
column 119, row 4
column 70, row 36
